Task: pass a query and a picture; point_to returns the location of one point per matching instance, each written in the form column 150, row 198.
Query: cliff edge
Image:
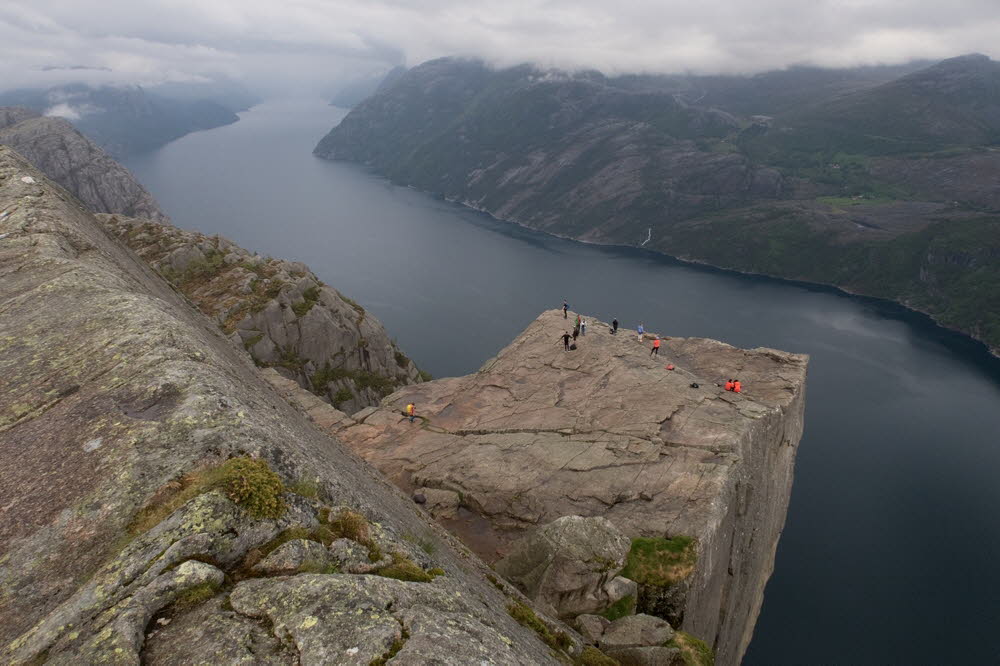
column 607, row 430
column 162, row 505
column 72, row 160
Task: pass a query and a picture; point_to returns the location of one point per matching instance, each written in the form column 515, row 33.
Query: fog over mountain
column 309, row 43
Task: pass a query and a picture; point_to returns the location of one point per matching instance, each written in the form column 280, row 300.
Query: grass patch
column 308, row 488
column 394, row 649
column 401, row 359
column 621, row 608
column 195, row 595
column 526, row 617
column 425, row 376
column 660, row 562
column 310, row 297
column 694, row 650
column 249, row 483
column 343, row 395
column 350, row 525
column 426, row 545
column 591, row 656
column 403, row 568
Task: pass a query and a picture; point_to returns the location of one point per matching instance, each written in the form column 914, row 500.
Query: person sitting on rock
column 729, row 385
column 737, row 387
column 655, row 351
column 565, row 338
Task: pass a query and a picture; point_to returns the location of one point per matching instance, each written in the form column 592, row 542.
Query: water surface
column 891, row 547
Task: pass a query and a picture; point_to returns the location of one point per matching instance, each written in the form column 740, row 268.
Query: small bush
column 694, row 650
column 251, row 484
column 403, row 568
column 308, row 488
column 425, row 376
column 343, row 395
column 401, row 359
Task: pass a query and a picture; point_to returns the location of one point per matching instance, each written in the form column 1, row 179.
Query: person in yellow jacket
column 409, row 411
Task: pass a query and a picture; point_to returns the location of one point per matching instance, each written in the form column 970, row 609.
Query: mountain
column 278, row 311
column 72, row 160
column 355, row 92
column 163, row 505
column 880, row 181
column 129, row 119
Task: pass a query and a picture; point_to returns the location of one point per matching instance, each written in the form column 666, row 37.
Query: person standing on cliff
column 583, row 327
column 576, row 332
column 410, row 409
column 565, row 310
column 614, row 326
column 655, row 351
column 641, row 331
column 565, row 338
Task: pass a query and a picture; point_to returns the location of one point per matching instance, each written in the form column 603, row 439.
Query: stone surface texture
column 567, row 565
column 114, row 394
column 538, row 433
column 72, row 160
column 279, row 311
column 636, row 631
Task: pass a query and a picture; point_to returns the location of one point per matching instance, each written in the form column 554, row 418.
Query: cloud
column 308, row 42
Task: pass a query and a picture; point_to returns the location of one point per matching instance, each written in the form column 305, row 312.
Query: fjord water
column 891, row 548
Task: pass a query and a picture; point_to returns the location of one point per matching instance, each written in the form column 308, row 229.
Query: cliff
column 279, row 311
column 852, row 180
column 606, row 430
column 162, row 505
column 76, row 163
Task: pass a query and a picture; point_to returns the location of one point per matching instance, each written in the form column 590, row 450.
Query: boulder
column 440, row 503
column 568, row 564
column 591, row 627
column 636, row 631
column 295, row 556
column 647, row 656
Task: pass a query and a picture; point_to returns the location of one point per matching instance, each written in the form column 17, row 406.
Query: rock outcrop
column 606, row 430
column 569, row 565
column 76, row 163
column 279, row 311
column 145, row 468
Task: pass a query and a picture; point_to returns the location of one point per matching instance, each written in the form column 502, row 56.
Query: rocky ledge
column 278, row 311
column 607, row 430
column 161, row 504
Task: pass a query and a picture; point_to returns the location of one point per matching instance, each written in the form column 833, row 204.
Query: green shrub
column 251, row 484
column 526, row 617
column 308, row 488
column 694, row 650
column 403, row 568
column 343, row 395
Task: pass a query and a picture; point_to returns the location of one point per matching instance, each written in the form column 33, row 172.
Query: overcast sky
column 313, row 42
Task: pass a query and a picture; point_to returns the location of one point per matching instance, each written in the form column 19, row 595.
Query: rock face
column 606, row 430
column 279, row 311
column 76, row 163
column 145, row 468
column 568, row 564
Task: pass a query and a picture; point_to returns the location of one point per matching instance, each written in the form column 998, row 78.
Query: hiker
column 737, row 387
column 641, row 332
column 614, row 326
column 576, row 332
column 583, row 327
column 565, row 338
column 655, row 351
column 729, row 385
column 409, row 411
column 565, row 310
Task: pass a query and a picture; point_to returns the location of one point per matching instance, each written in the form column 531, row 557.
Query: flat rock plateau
column 606, row 430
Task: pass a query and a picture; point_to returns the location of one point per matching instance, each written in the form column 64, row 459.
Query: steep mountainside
column 848, row 184
column 73, row 161
column 163, row 505
column 279, row 311
column 129, row 119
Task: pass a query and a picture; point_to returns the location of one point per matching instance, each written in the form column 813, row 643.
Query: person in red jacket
column 655, row 351
column 737, row 387
column 729, row 385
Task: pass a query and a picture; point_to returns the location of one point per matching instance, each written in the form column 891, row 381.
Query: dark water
column 890, row 552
